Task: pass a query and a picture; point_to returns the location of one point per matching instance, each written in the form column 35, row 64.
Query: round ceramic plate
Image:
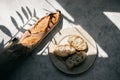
column 61, row 38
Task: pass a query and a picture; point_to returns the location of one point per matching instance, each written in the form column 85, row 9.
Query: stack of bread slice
column 74, row 51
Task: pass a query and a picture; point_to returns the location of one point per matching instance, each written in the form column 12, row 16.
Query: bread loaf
column 35, row 35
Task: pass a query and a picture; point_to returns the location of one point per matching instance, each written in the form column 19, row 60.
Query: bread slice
column 77, row 42
column 35, row 35
column 63, row 50
column 75, row 59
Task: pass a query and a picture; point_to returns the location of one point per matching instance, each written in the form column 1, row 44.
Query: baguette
column 35, row 35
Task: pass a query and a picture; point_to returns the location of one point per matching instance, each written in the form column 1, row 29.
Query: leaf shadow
column 34, row 14
column 20, row 16
column 14, row 22
column 27, row 14
column 5, row 30
column 19, row 28
column 29, row 11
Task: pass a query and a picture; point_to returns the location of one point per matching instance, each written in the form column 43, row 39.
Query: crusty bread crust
column 33, row 36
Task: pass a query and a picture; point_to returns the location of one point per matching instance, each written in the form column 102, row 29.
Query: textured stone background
column 100, row 18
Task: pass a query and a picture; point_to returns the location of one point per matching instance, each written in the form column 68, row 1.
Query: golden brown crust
column 34, row 35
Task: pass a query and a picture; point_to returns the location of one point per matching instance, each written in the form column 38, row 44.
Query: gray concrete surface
column 100, row 18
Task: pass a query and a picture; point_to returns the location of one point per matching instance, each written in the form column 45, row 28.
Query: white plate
column 61, row 38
